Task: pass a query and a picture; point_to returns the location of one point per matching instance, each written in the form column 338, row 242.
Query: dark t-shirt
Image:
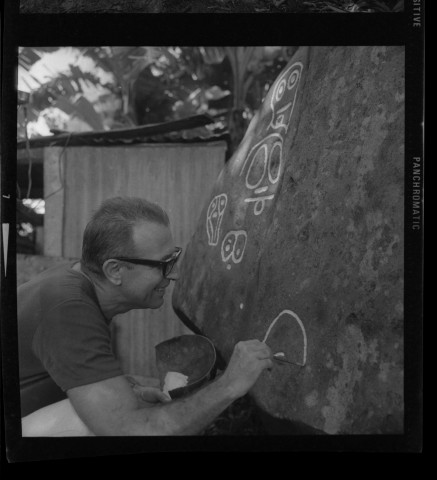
column 63, row 331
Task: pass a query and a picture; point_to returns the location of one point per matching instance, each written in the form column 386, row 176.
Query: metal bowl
column 191, row 355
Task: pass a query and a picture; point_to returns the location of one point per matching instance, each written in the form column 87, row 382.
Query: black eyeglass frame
column 166, row 265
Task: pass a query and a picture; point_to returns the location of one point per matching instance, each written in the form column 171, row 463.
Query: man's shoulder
column 51, row 274
column 57, row 286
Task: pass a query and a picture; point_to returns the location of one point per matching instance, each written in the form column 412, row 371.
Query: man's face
column 144, row 286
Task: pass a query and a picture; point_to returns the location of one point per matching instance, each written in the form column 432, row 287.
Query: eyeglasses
column 166, row 265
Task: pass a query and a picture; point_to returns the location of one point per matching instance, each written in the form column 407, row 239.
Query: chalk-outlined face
column 233, row 246
column 299, row 338
column 264, row 167
column 214, row 217
column 284, row 97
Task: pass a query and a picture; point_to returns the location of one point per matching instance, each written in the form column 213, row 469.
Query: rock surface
column 301, row 243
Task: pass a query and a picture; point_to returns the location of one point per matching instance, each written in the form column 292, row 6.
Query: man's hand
column 147, row 390
column 150, row 396
column 143, row 381
column 248, row 360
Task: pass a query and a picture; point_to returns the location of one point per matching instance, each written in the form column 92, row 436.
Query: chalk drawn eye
column 222, row 203
column 293, row 79
column 275, row 160
column 280, row 90
column 228, row 245
column 257, row 167
column 240, row 245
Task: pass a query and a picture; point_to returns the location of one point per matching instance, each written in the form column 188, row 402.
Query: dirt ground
column 238, row 419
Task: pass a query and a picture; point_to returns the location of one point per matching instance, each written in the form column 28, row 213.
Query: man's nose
column 174, row 275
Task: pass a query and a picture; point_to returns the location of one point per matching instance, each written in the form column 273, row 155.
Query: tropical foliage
column 101, row 88
column 96, row 88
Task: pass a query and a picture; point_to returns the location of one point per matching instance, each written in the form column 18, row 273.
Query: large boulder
column 301, row 243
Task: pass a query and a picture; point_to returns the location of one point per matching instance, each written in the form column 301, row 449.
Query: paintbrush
column 280, row 357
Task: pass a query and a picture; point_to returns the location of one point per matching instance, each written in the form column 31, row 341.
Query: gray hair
column 109, row 232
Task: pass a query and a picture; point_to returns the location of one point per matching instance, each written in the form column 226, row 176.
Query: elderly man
column 128, row 260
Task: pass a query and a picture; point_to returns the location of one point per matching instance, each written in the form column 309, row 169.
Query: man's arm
column 110, row 407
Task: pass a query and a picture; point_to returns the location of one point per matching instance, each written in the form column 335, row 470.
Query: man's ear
column 112, row 270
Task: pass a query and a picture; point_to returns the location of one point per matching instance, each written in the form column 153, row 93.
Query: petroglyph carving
column 260, row 203
column 284, row 97
column 264, row 168
column 233, row 246
column 214, row 217
column 292, row 317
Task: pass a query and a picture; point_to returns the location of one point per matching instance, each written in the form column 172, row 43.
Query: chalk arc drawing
column 214, row 217
column 301, row 325
column 234, row 245
column 282, row 103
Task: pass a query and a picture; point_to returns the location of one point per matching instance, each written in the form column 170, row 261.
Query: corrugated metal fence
column 179, row 177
